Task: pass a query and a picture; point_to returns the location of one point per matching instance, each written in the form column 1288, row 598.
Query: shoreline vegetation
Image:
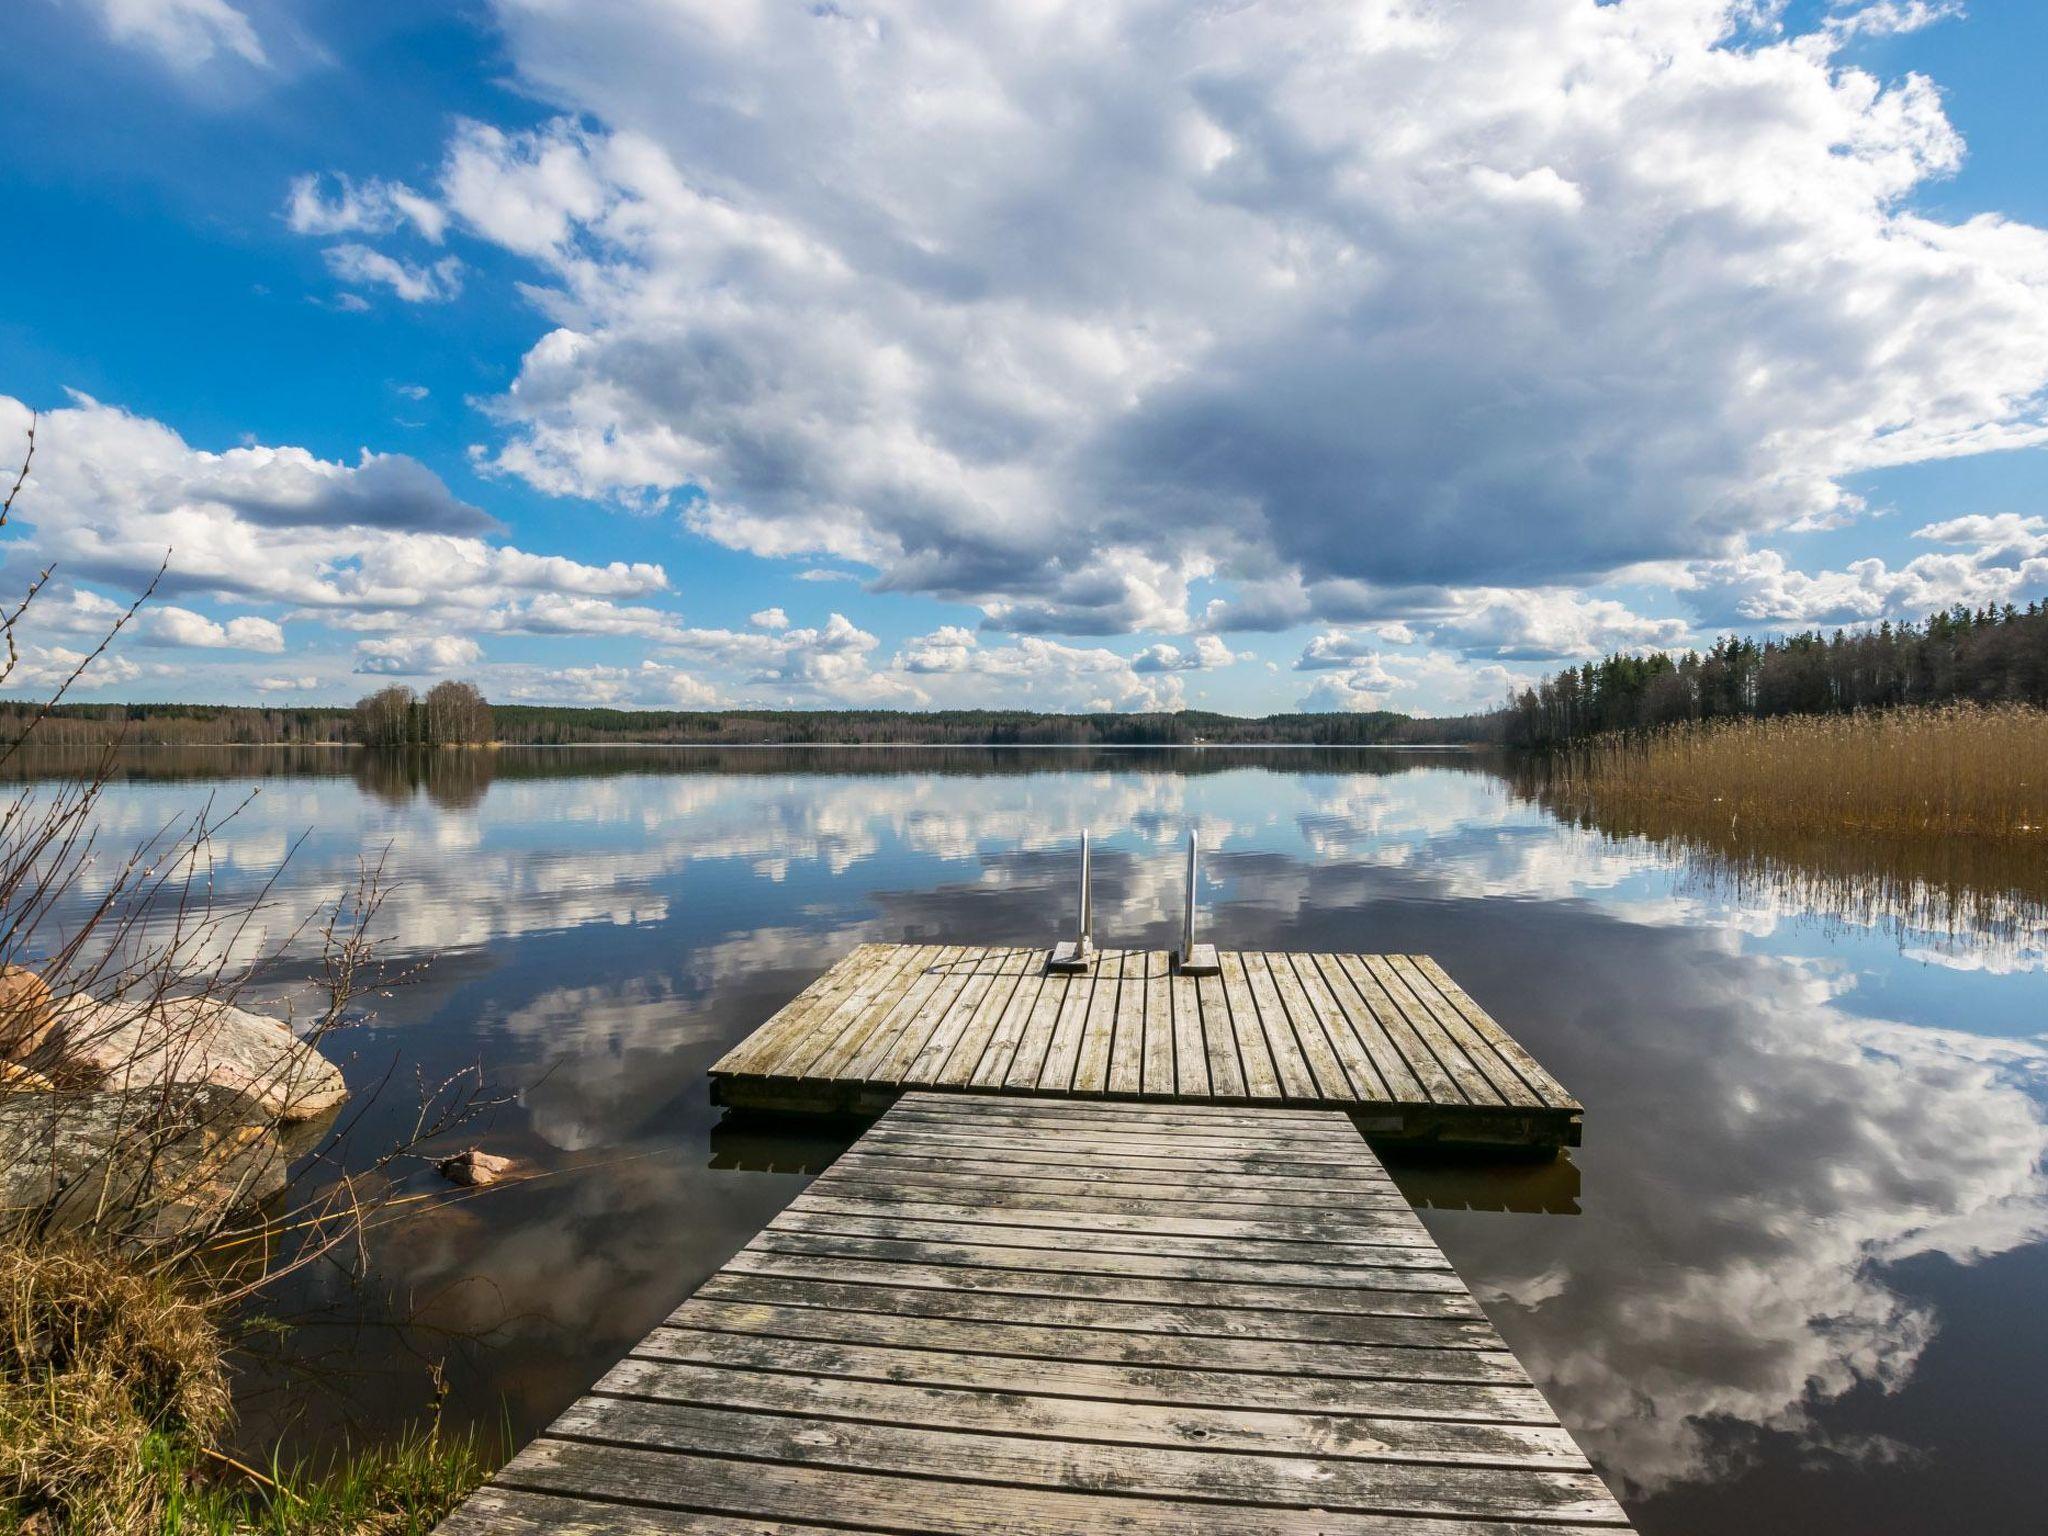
column 167, row 1156
column 1930, row 771
column 1925, row 820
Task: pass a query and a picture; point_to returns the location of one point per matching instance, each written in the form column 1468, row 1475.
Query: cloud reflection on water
column 1766, row 1137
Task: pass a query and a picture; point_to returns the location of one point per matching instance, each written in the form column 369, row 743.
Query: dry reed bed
column 1955, row 770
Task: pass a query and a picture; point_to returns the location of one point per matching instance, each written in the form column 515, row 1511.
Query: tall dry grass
column 1942, row 771
column 99, row 1363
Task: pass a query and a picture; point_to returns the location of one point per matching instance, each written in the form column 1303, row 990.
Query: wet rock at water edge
column 158, row 1162
column 127, row 1046
column 474, row 1168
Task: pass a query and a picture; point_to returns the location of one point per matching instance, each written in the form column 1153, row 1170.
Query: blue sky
column 694, row 352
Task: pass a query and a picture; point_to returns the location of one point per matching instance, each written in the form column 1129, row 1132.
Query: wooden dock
column 1390, row 1039
column 1011, row 1316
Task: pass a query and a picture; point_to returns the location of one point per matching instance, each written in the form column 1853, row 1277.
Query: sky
column 1109, row 355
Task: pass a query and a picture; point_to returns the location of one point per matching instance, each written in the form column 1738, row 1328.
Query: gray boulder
column 156, row 1163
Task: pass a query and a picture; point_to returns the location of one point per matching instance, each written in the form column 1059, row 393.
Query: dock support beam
column 1078, row 953
column 1194, row 959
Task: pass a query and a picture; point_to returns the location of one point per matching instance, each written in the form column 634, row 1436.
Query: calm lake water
column 1796, row 1279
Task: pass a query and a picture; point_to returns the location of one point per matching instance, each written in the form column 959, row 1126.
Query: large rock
column 26, row 1011
column 125, row 1047
column 155, row 1163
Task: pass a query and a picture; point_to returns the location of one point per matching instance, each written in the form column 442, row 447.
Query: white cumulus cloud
column 417, row 655
column 1354, row 314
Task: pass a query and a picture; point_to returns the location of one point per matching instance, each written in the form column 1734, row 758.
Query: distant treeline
column 543, row 725
column 454, row 713
column 1987, row 656
column 172, row 725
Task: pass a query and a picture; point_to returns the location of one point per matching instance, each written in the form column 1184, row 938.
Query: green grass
column 402, row 1488
column 399, row 1489
column 114, row 1405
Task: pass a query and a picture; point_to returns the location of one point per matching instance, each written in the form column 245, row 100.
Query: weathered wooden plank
column 1368, row 1396
column 1116, row 1285
column 873, row 1016
column 1531, row 1070
column 1263, row 1076
column 934, row 1173
column 1291, row 1060
column 866, row 1178
column 931, row 1506
column 1310, row 1006
column 1044, row 1416
column 1159, row 1043
column 1434, row 1084
column 1034, row 1040
column 1136, row 1156
column 1005, row 1031
column 1280, row 1001
column 1502, row 1077
column 1098, row 1030
column 1258, row 1121
column 1253, row 1171
column 1053, row 1116
column 952, row 976
column 1190, row 1050
column 1273, row 1356
column 1191, row 1142
column 963, row 1057
column 1376, row 1070
column 1077, row 1213
column 1044, row 1264
column 1127, row 1043
column 1177, row 1244
column 1063, row 1054
column 1219, row 1039
column 967, row 1017
column 1472, row 1083
column 795, row 1020
column 865, row 1012
column 1184, row 1320
column 1292, row 1482
column 864, row 992
column 963, row 977
column 503, row 1511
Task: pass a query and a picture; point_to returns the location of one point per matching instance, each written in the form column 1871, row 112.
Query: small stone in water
column 474, row 1167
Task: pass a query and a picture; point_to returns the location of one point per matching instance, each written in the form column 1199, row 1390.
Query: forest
column 395, row 717
column 1982, row 656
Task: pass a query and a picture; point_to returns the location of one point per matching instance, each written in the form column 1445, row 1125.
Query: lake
column 1795, row 1280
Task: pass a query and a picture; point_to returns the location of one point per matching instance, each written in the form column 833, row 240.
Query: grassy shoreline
column 115, row 1408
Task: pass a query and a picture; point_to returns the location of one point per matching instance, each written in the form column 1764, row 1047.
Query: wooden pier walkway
column 996, row 1316
column 1389, row 1038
